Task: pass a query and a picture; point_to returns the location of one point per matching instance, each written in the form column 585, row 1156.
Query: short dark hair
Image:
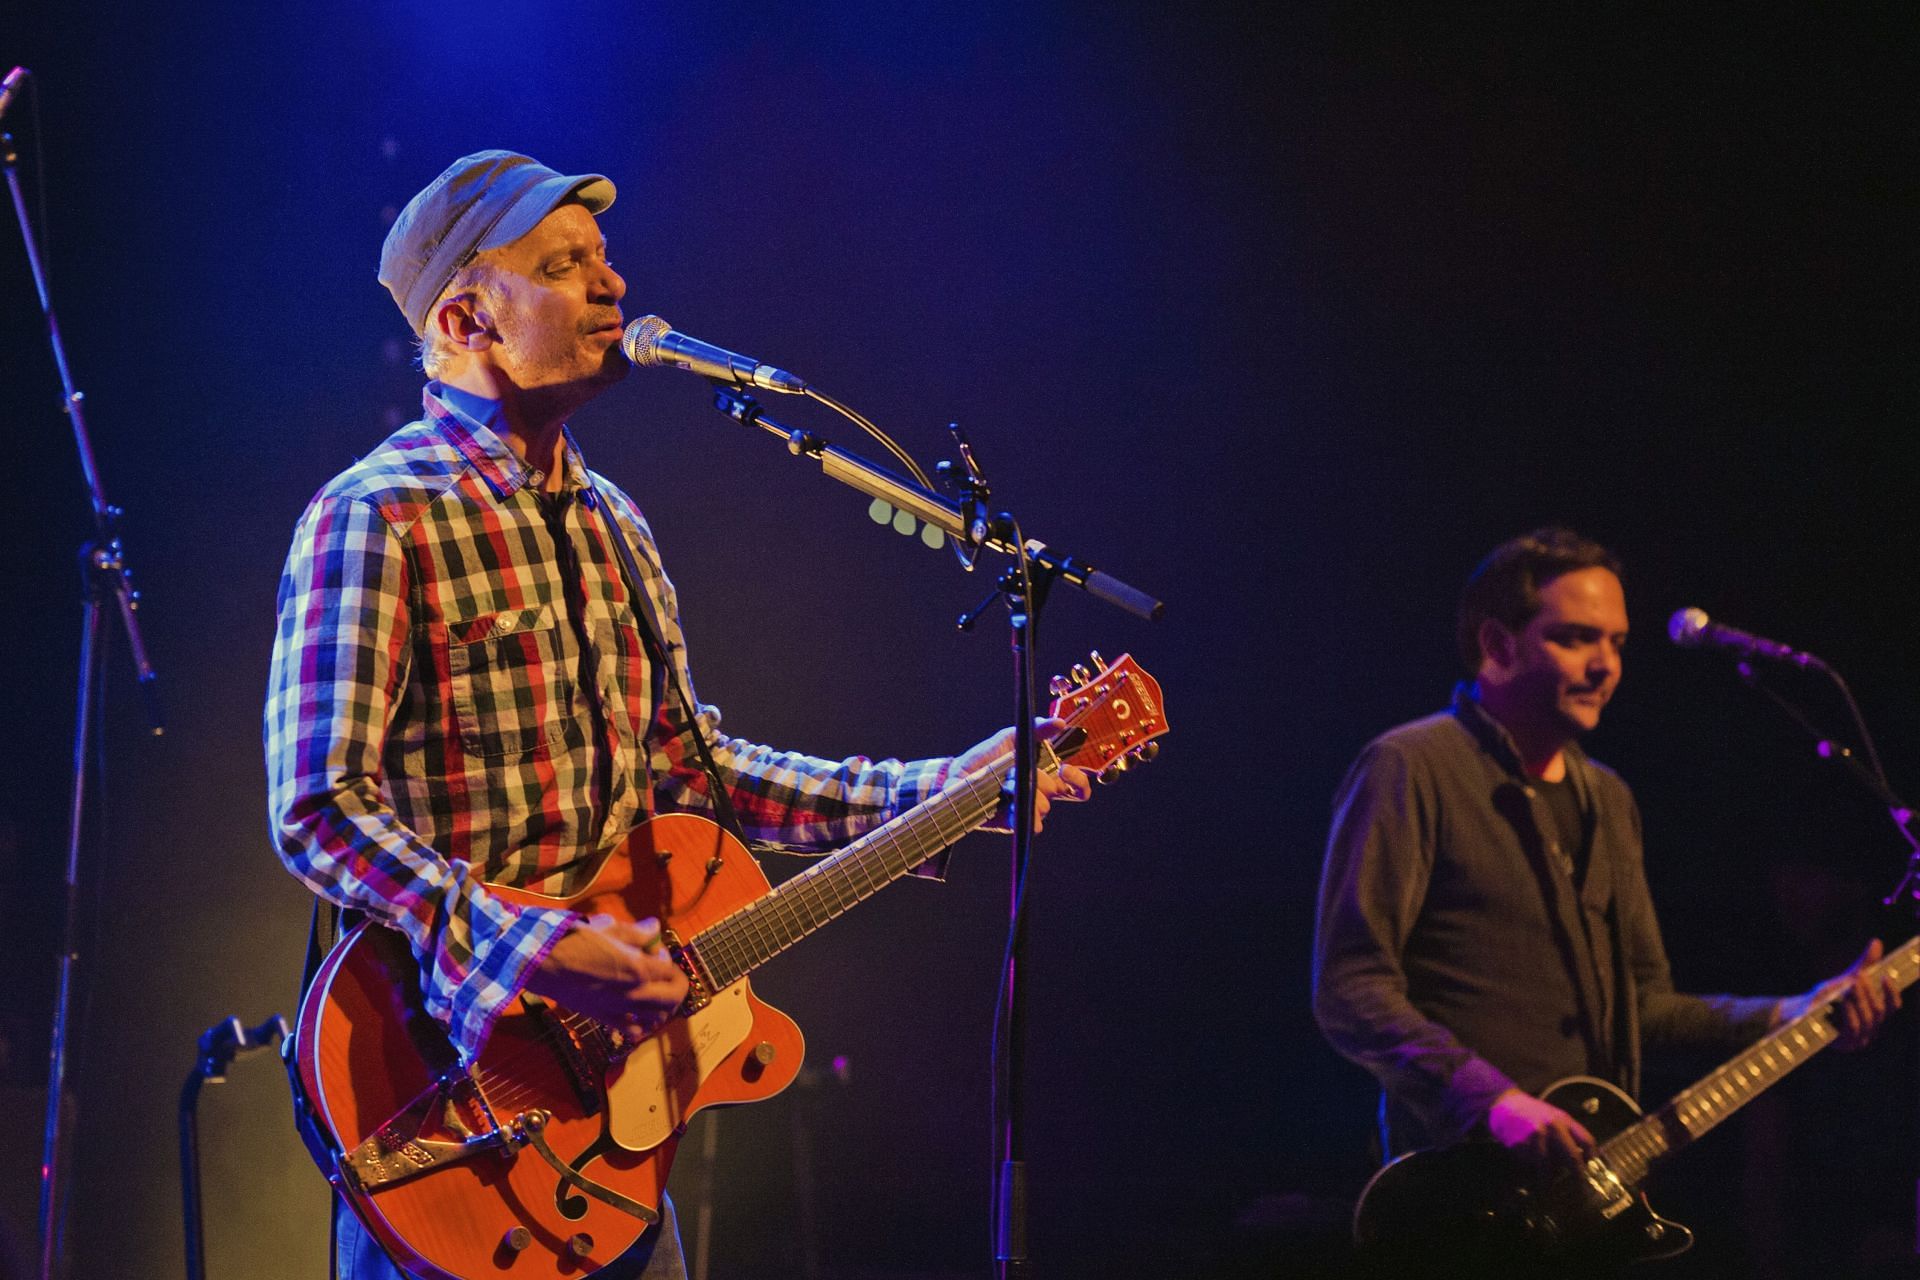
column 1506, row 585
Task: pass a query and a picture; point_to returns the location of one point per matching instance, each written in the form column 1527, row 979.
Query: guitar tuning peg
column 1148, row 753
column 1111, row 774
column 1099, row 663
column 1080, row 673
column 1059, row 686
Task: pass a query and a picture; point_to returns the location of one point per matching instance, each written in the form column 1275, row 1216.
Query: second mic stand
column 1868, row 772
column 219, row 1045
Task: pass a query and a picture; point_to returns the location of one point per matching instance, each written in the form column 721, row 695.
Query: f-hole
column 571, row 1204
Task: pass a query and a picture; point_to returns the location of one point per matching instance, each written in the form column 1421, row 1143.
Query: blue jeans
column 655, row 1256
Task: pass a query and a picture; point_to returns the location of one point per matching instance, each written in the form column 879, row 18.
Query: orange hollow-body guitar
column 548, row 1155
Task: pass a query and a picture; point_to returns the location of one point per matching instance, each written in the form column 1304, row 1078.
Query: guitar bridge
column 397, row 1151
column 1607, row 1188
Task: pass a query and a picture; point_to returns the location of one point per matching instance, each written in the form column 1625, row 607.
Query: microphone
column 651, row 342
column 1691, row 629
column 10, row 86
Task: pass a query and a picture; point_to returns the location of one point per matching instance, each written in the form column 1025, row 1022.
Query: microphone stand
column 1867, row 772
column 106, row 578
column 1024, row 587
column 219, row 1045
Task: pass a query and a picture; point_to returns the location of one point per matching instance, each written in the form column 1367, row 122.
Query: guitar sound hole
column 571, row 1204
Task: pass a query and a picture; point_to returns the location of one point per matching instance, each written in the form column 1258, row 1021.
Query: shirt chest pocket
column 507, row 681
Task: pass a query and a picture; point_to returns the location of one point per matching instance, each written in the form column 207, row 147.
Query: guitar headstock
column 1117, row 706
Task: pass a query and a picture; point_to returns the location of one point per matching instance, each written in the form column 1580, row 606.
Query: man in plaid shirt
column 462, row 689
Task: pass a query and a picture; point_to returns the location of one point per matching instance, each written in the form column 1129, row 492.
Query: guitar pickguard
column 648, row 1093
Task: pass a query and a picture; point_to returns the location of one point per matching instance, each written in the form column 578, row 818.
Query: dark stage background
column 1287, row 320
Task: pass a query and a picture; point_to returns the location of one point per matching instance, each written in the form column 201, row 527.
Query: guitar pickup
column 585, row 1076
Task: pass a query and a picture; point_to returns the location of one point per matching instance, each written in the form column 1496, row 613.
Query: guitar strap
column 652, row 634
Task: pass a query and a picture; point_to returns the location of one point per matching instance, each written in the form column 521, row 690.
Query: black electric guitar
column 1479, row 1210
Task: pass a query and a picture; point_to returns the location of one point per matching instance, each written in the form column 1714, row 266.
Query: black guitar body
column 1477, row 1210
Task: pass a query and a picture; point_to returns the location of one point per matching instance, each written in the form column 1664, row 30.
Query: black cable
column 1870, row 774
column 1860, row 727
column 1000, row 1061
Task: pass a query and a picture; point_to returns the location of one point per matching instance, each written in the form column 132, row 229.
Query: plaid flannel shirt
column 460, row 695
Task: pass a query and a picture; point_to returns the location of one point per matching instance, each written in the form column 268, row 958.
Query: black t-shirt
column 1570, row 824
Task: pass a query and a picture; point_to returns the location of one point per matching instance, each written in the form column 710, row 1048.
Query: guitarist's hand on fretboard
column 1071, row 783
column 1863, row 1007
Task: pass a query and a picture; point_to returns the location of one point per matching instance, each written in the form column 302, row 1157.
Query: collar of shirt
column 469, row 423
column 1498, row 743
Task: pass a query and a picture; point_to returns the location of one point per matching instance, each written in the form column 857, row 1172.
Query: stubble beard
column 555, row 368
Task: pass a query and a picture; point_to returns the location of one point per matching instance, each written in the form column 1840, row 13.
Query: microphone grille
column 1686, row 626
column 641, row 341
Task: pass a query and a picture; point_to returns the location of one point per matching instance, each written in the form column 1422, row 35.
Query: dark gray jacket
column 1454, row 957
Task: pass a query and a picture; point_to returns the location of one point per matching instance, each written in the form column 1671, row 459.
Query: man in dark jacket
column 1484, row 922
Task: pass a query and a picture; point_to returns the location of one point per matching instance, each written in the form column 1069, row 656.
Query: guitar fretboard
column 1695, row 1110
column 765, row 927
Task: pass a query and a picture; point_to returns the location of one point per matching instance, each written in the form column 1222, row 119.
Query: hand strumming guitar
column 616, row 973
column 1523, row 1123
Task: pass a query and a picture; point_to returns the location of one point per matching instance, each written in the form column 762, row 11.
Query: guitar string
column 727, row 945
column 749, row 931
column 504, row 1091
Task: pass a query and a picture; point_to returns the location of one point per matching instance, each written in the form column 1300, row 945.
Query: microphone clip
column 969, row 484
